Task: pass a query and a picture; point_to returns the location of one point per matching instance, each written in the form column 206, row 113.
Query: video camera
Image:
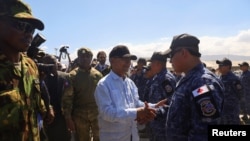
column 46, row 68
column 63, row 54
column 34, row 53
column 64, row 49
column 34, row 47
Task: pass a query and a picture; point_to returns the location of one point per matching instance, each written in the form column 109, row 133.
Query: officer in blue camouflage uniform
column 139, row 78
column 198, row 96
column 245, row 81
column 233, row 92
column 20, row 97
column 78, row 102
column 162, row 87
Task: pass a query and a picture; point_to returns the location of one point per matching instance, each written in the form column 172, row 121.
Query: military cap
column 19, row 10
column 142, row 60
column 244, row 64
column 224, row 62
column 84, row 50
column 158, row 56
column 121, row 51
column 184, row 41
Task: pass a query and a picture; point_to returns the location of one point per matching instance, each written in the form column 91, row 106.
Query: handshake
column 146, row 114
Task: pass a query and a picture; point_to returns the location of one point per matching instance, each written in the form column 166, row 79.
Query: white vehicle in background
column 237, row 72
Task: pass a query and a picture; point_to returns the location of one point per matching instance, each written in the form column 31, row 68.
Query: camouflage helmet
column 20, row 10
column 84, row 50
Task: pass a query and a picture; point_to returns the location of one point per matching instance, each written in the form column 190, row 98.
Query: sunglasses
column 222, row 65
column 171, row 55
column 22, row 26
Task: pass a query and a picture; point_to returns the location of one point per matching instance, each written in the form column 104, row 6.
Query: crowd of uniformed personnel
column 40, row 101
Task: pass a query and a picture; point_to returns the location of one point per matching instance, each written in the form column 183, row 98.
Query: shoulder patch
column 207, row 108
column 204, row 101
column 167, row 87
column 199, row 91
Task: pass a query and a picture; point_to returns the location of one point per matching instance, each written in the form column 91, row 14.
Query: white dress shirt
column 117, row 100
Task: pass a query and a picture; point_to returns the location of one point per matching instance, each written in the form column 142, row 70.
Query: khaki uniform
column 20, row 100
column 78, row 102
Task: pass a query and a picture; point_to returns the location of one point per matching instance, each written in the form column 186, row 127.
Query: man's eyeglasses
column 22, row 26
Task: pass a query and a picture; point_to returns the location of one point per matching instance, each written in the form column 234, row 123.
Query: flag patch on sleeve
column 199, row 91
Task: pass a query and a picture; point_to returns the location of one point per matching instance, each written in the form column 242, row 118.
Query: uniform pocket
column 10, row 110
column 177, row 105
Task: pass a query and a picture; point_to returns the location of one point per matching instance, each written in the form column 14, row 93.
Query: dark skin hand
column 50, row 115
column 146, row 114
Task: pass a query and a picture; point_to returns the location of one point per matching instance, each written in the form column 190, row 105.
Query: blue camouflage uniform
column 233, row 93
column 140, row 82
column 196, row 103
column 245, row 81
column 162, row 87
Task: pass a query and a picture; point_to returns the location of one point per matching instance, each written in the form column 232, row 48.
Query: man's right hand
column 49, row 118
column 145, row 114
column 70, row 125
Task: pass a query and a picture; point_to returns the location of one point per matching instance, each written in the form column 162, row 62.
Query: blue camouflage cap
column 158, row 56
column 184, row 40
column 224, row 62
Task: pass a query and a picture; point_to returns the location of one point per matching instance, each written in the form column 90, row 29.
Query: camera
column 34, row 47
column 64, row 49
column 35, row 53
column 46, row 68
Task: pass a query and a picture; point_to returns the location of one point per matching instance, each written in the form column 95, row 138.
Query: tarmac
column 147, row 139
column 144, row 139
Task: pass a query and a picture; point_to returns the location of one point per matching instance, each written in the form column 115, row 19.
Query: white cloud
column 234, row 45
column 209, row 45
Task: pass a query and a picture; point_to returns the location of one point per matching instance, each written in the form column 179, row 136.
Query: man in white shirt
column 118, row 102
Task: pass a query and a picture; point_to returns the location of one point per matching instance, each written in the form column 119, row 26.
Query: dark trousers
column 57, row 131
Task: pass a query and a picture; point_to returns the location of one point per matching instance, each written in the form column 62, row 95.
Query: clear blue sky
column 144, row 25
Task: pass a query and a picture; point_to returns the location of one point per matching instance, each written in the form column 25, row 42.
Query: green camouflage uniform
column 20, row 97
column 79, row 103
column 20, row 100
